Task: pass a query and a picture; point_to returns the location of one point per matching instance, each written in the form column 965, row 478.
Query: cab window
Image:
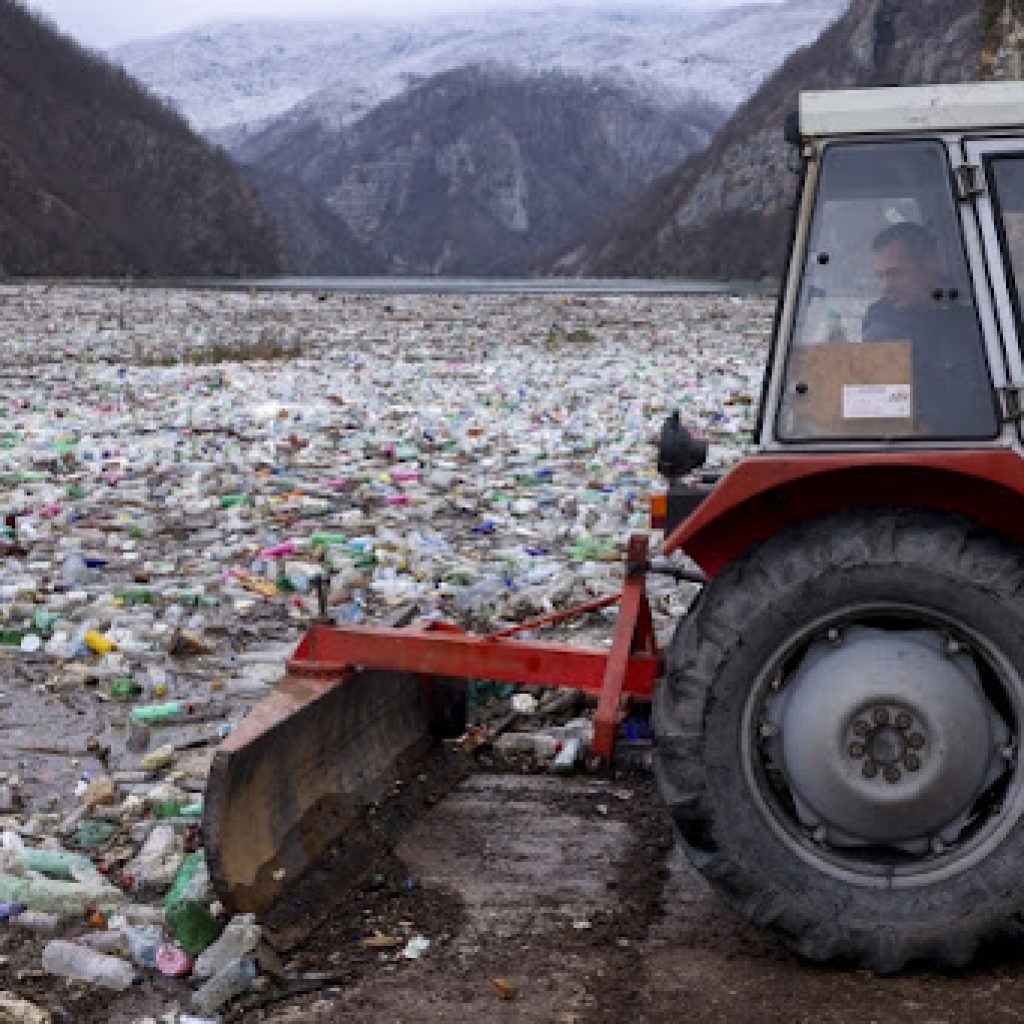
column 886, row 341
column 1006, row 175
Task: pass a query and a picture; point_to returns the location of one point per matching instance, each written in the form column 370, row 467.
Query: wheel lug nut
column 915, row 740
column 861, row 728
column 880, row 715
column 856, row 750
column 903, row 720
column 870, row 769
column 891, row 773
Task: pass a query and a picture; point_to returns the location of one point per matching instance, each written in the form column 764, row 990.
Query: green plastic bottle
column 43, row 621
column 166, row 809
column 124, row 689
column 187, row 918
column 157, row 712
column 11, row 637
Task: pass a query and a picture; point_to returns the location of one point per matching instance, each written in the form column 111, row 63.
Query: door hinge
column 970, row 182
column 1011, row 403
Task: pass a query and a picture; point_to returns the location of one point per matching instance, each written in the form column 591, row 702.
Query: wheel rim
column 880, row 744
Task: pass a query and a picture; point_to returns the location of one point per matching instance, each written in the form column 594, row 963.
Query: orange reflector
column 659, row 509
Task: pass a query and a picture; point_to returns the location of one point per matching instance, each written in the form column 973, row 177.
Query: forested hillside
column 99, row 178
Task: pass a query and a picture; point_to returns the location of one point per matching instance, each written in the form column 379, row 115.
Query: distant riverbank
column 440, row 285
column 508, row 286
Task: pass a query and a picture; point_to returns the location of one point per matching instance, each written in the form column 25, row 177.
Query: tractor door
column 994, row 173
column 882, row 341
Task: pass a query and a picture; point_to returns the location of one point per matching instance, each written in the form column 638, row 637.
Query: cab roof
column 929, row 108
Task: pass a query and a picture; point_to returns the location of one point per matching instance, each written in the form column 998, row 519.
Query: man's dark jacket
column 951, row 389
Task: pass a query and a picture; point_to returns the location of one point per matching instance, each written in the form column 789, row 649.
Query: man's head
column 906, row 264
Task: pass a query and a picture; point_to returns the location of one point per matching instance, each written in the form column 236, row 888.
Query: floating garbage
column 80, row 963
column 177, row 493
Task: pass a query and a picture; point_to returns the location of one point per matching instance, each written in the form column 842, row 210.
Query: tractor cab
column 899, row 320
column 895, row 374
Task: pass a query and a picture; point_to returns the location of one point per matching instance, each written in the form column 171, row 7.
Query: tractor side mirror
column 679, row 452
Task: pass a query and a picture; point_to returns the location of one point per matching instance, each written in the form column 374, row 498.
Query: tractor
column 838, row 716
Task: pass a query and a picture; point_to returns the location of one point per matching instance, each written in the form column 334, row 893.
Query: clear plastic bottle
column 231, row 980
column 70, row 960
column 111, row 941
column 37, row 921
column 241, row 936
column 144, row 940
column 74, row 569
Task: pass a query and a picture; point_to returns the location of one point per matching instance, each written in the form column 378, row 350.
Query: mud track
column 573, row 894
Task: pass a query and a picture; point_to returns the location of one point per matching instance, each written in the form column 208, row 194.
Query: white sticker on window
column 876, row 401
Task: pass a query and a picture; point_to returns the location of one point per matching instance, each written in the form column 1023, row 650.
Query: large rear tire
column 837, row 737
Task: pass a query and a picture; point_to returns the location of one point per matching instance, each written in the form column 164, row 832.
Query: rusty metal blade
column 293, row 781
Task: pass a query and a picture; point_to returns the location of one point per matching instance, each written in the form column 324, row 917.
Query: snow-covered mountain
column 244, row 73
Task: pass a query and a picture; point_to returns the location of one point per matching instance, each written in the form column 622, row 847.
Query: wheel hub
column 887, row 741
column 885, row 738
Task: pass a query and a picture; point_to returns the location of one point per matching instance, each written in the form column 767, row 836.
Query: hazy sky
column 106, row 22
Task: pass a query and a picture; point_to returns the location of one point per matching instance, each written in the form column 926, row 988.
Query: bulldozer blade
column 288, row 792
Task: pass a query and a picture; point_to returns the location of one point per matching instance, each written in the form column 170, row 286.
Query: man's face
column 906, row 279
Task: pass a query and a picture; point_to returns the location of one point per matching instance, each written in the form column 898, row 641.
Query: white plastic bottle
column 70, row 960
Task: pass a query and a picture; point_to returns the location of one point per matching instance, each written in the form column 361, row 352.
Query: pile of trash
column 178, row 469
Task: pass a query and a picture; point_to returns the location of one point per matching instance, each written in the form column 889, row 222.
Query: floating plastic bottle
column 327, row 539
column 230, row 981
column 241, row 936
column 71, row 960
column 144, row 940
column 61, row 864
column 124, row 689
column 37, row 921
column 188, row 918
column 66, row 899
column 98, row 643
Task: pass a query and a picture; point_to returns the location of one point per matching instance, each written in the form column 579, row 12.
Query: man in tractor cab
column 951, row 392
column 906, row 262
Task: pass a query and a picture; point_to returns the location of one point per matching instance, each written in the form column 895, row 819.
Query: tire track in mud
column 620, row 992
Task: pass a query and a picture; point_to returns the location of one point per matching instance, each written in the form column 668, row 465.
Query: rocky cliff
column 314, row 239
column 480, row 170
column 1002, row 47
column 725, row 212
column 98, row 178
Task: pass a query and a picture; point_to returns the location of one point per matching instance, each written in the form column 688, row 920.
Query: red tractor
column 838, row 716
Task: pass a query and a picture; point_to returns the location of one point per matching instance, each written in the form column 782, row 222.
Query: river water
column 500, row 286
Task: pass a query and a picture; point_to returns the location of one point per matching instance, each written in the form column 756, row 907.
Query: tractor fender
column 766, row 492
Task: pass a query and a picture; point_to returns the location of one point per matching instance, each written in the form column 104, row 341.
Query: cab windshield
column 886, row 341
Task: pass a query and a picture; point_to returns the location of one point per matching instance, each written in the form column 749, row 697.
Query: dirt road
column 573, row 894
